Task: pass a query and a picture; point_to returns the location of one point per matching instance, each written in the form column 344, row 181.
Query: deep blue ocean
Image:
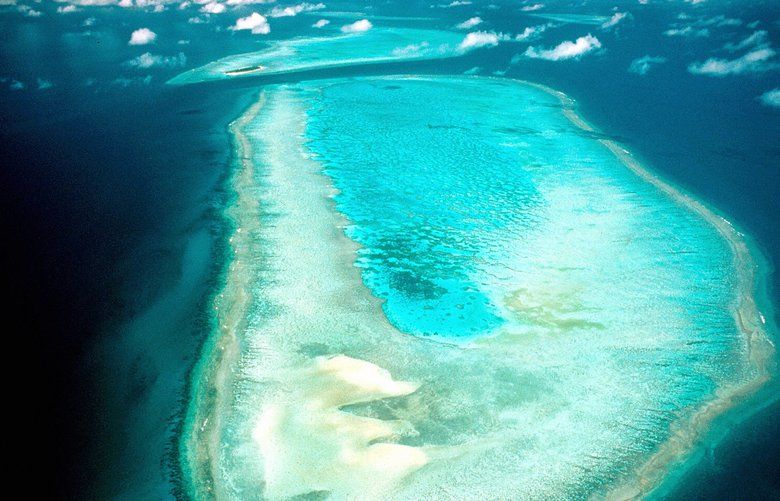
column 112, row 184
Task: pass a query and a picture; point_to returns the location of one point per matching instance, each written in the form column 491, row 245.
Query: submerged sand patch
column 311, row 445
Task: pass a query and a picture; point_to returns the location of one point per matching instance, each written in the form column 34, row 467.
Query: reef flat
column 378, row 45
column 450, row 287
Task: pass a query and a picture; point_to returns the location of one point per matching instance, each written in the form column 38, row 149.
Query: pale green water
column 379, row 44
column 552, row 316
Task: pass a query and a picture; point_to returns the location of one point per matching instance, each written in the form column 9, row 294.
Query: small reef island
column 245, row 71
column 453, row 287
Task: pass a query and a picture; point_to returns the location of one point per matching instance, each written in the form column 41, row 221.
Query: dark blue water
column 110, row 186
column 108, row 200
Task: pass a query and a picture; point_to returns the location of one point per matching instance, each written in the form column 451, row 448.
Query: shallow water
column 574, row 315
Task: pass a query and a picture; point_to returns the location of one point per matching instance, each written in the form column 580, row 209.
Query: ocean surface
column 115, row 187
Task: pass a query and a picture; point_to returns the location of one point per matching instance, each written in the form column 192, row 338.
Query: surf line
column 747, row 319
column 199, row 447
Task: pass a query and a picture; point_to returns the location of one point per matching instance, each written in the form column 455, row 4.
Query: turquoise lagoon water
column 454, row 291
column 466, row 204
column 380, row 44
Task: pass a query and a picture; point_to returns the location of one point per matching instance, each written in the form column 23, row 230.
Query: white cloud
column 91, row 3
column 411, row 49
column 720, row 20
column 44, row 84
column 615, row 19
column 66, row 9
column 142, row 36
column 642, row 65
column 477, row 39
column 28, row 11
column 531, row 32
column 321, row 23
column 771, row 98
column 126, row 82
column 154, row 5
column 213, row 8
column 566, row 50
column 456, row 3
column 699, row 27
column 149, row 60
column 469, row 23
column 687, row 31
column 256, row 23
column 357, row 26
column 756, row 38
column 294, row 10
column 756, row 61
column 248, row 2
column 531, row 8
